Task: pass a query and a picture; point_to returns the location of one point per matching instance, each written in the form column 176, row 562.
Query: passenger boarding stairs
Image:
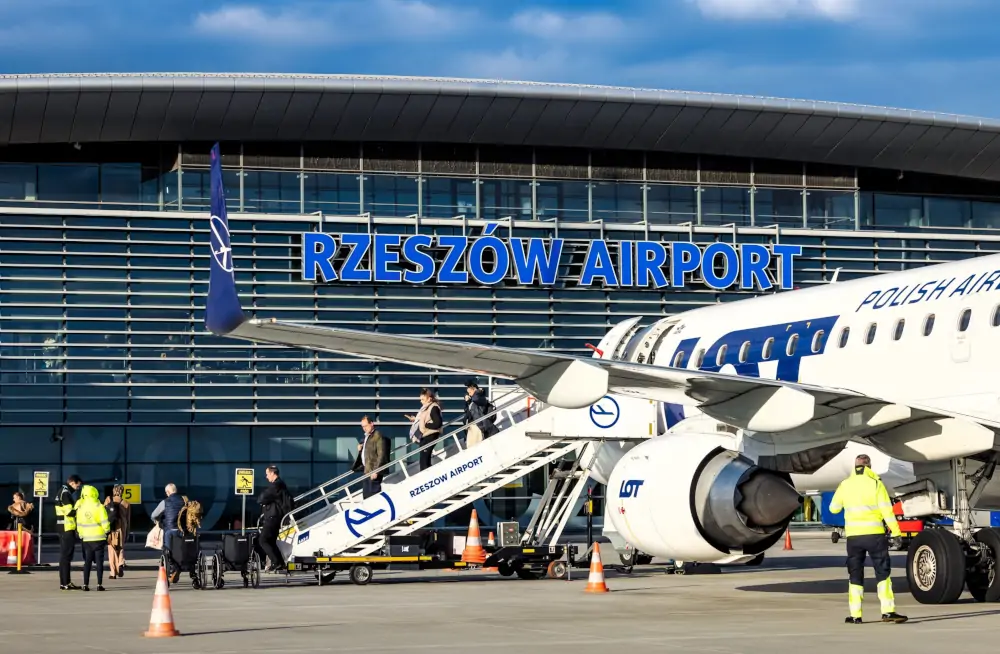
column 335, row 520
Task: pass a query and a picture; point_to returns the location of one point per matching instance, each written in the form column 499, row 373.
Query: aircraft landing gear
column 940, row 563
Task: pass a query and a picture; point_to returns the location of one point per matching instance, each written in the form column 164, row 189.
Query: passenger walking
column 275, row 501
column 477, row 406
column 19, row 511
column 167, row 512
column 428, row 423
column 120, row 518
column 93, row 527
column 373, row 455
column 867, row 510
column 66, row 517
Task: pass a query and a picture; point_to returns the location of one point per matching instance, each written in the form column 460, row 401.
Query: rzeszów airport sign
column 488, row 259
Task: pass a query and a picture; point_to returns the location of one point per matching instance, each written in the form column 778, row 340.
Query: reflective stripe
column 855, row 595
column 862, row 508
column 886, row 597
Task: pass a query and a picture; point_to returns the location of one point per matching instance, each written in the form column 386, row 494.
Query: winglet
column 223, row 313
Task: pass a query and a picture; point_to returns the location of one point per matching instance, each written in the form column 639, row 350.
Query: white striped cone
column 595, row 582
column 161, row 618
column 12, row 552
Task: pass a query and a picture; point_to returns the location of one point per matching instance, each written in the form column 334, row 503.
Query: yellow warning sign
column 244, row 481
column 132, row 493
column 41, row 484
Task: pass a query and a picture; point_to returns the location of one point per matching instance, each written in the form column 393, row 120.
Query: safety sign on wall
column 132, row 493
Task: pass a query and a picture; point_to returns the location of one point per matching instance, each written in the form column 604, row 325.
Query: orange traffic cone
column 788, row 539
column 474, row 552
column 161, row 619
column 12, row 552
column 491, row 541
column 595, row 583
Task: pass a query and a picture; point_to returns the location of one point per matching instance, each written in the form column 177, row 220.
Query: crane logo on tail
column 222, row 252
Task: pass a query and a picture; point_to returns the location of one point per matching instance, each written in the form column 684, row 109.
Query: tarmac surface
column 797, row 599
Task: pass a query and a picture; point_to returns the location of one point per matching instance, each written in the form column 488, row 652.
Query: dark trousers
column 371, row 486
column 425, row 455
column 67, row 544
column 269, row 541
column 93, row 555
column 877, row 547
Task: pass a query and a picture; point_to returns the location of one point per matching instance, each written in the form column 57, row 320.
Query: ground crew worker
column 93, row 526
column 867, row 510
column 66, row 516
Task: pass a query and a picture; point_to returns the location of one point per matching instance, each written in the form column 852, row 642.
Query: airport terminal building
column 106, row 369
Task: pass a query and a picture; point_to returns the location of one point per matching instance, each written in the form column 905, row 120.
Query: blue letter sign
column 489, row 259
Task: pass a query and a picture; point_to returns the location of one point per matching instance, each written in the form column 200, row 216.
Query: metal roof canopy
column 154, row 107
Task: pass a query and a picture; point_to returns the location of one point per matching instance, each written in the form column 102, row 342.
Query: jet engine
column 688, row 497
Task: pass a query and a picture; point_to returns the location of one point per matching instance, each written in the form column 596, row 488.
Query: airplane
column 756, row 391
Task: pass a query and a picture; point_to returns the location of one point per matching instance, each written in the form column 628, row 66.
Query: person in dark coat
column 373, row 453
column 477, row 405
column 274, row 503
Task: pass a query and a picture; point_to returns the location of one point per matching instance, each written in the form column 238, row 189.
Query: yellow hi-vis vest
column 65, row 514
column 91, row 517
column 866, row 505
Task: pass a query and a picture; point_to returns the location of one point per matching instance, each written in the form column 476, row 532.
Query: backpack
column 287, row 504
column 114, row 514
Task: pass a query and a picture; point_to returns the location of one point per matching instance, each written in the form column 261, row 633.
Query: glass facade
column 106, row 369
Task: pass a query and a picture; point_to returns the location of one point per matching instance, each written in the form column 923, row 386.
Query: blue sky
column 940, row 55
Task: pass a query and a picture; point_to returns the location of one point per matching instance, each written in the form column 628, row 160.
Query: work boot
column 852, row 620
column 100, row 587
column 70, row 586
column 894, row 617
column 86, row 589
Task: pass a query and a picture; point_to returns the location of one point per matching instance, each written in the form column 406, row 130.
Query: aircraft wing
column 793, row 417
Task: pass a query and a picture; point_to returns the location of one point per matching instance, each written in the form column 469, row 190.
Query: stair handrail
column 289, row 520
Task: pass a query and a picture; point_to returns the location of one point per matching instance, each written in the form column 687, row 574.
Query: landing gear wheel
column 982, row 580
column 253, row 571
column 526, row 574
column 361, row 574
column 505, row 570
column 643, row 559
column 557, row 570
column 755, row 561
column 627, row 557
column 935, row 567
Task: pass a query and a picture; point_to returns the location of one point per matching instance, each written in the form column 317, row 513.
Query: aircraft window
column 720, row 358
column 744, row 351
column 963, row 322
column 870, row 336
column 928, row 324
column 844, row 334
column 898, row 334
column 766, row 351
column 699, row 358
column 679, row 360
column 996, row 316
column 793, row 341
column 817, row 343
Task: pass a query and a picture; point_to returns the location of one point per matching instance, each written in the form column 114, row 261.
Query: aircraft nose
column 768, row 499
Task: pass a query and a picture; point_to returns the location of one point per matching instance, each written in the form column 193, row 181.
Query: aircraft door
column 961, row 345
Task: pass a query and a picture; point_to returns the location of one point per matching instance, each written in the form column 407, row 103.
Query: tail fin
column 223, row 313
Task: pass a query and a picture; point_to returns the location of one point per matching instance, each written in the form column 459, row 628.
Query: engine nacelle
column 688, row 497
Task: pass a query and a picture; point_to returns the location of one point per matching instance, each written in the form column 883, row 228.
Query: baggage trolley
column 183, row 554
column 238, row 553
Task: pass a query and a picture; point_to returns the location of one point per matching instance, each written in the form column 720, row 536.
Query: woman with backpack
column 120, row 517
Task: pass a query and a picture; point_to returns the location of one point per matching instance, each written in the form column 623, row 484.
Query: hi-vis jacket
column 866, row 505
column 66, row 509
column 91, row 517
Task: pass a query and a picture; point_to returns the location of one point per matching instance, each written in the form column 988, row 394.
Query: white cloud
column 590, row 27
column 246, row 21
column 341, row 22
column 780, row 9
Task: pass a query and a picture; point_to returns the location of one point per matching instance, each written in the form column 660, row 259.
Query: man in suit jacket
column 373, row 453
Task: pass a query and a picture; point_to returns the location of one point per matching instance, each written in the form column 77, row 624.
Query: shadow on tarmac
column 823, row 587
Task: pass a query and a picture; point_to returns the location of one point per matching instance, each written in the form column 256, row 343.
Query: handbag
column 154, row 539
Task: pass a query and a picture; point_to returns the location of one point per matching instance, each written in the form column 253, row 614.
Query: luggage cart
column 237, row 553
